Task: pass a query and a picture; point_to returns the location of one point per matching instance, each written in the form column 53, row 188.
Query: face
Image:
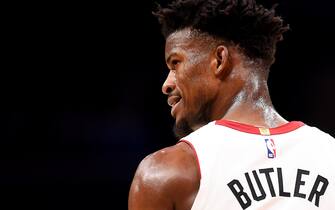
column 190, row 84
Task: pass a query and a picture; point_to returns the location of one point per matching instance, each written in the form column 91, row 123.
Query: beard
column 186, row 126
column 182, row 129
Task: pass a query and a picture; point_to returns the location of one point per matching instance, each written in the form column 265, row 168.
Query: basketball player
column 235, row 151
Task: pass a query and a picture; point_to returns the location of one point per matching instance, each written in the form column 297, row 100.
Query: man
column 235, row 150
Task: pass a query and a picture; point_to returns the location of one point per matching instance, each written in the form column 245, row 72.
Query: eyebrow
column 169, row 57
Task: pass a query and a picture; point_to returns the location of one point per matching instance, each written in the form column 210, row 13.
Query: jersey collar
column 288, row 127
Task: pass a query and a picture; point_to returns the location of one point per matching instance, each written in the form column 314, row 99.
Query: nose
column 170, row 83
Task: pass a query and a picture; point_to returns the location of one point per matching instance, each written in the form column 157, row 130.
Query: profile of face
column 190, row 84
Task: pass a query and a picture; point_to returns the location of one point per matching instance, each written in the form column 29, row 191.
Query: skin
column 208, row 80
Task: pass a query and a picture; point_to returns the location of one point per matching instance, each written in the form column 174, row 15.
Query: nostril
column 169, row 84
column 168, row 90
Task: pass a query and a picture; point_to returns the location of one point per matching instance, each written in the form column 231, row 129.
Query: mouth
column 173, row 101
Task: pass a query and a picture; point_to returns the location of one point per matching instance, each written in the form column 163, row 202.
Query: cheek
column 194, row 96
column 194, row 83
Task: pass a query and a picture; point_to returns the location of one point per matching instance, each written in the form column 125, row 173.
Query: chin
column 188, row 122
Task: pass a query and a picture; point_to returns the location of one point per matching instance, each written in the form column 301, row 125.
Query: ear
column 221, row 56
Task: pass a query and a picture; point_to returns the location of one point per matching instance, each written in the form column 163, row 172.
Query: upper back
column 290, row 167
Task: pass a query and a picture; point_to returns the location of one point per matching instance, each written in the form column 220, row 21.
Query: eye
column 174, row 63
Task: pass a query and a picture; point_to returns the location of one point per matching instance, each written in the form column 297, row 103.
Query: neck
column 251, row 104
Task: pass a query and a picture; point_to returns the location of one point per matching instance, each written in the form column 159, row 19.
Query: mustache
column 175, row 92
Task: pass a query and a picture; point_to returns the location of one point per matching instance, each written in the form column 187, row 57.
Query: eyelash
column 174, row 63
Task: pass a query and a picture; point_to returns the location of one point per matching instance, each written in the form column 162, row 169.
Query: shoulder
column 316, row 132
column 207, row 131
column 165, row 176
column 171, row 163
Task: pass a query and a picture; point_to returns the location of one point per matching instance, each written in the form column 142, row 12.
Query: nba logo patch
column 271, row 147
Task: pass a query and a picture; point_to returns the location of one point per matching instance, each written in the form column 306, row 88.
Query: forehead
column 182, row 40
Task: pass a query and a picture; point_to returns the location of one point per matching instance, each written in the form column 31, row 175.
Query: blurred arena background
column 82, row 104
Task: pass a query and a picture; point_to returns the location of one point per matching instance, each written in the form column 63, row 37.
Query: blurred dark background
column 82, row 104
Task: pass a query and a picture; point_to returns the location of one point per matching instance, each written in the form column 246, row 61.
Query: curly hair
column 255, row 29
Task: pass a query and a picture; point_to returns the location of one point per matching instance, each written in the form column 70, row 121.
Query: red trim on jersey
column 195, row 154
column 290, row 126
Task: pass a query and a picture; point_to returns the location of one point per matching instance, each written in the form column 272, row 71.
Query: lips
column 173, row 102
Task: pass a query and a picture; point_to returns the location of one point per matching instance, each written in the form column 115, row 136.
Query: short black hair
column 255, row 29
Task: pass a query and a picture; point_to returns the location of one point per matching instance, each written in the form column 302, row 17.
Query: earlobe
column 222, row 61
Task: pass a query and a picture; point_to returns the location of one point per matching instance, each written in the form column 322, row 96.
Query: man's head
column 205, row 41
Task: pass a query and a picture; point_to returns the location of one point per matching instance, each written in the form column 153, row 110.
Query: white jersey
column 291, row 167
